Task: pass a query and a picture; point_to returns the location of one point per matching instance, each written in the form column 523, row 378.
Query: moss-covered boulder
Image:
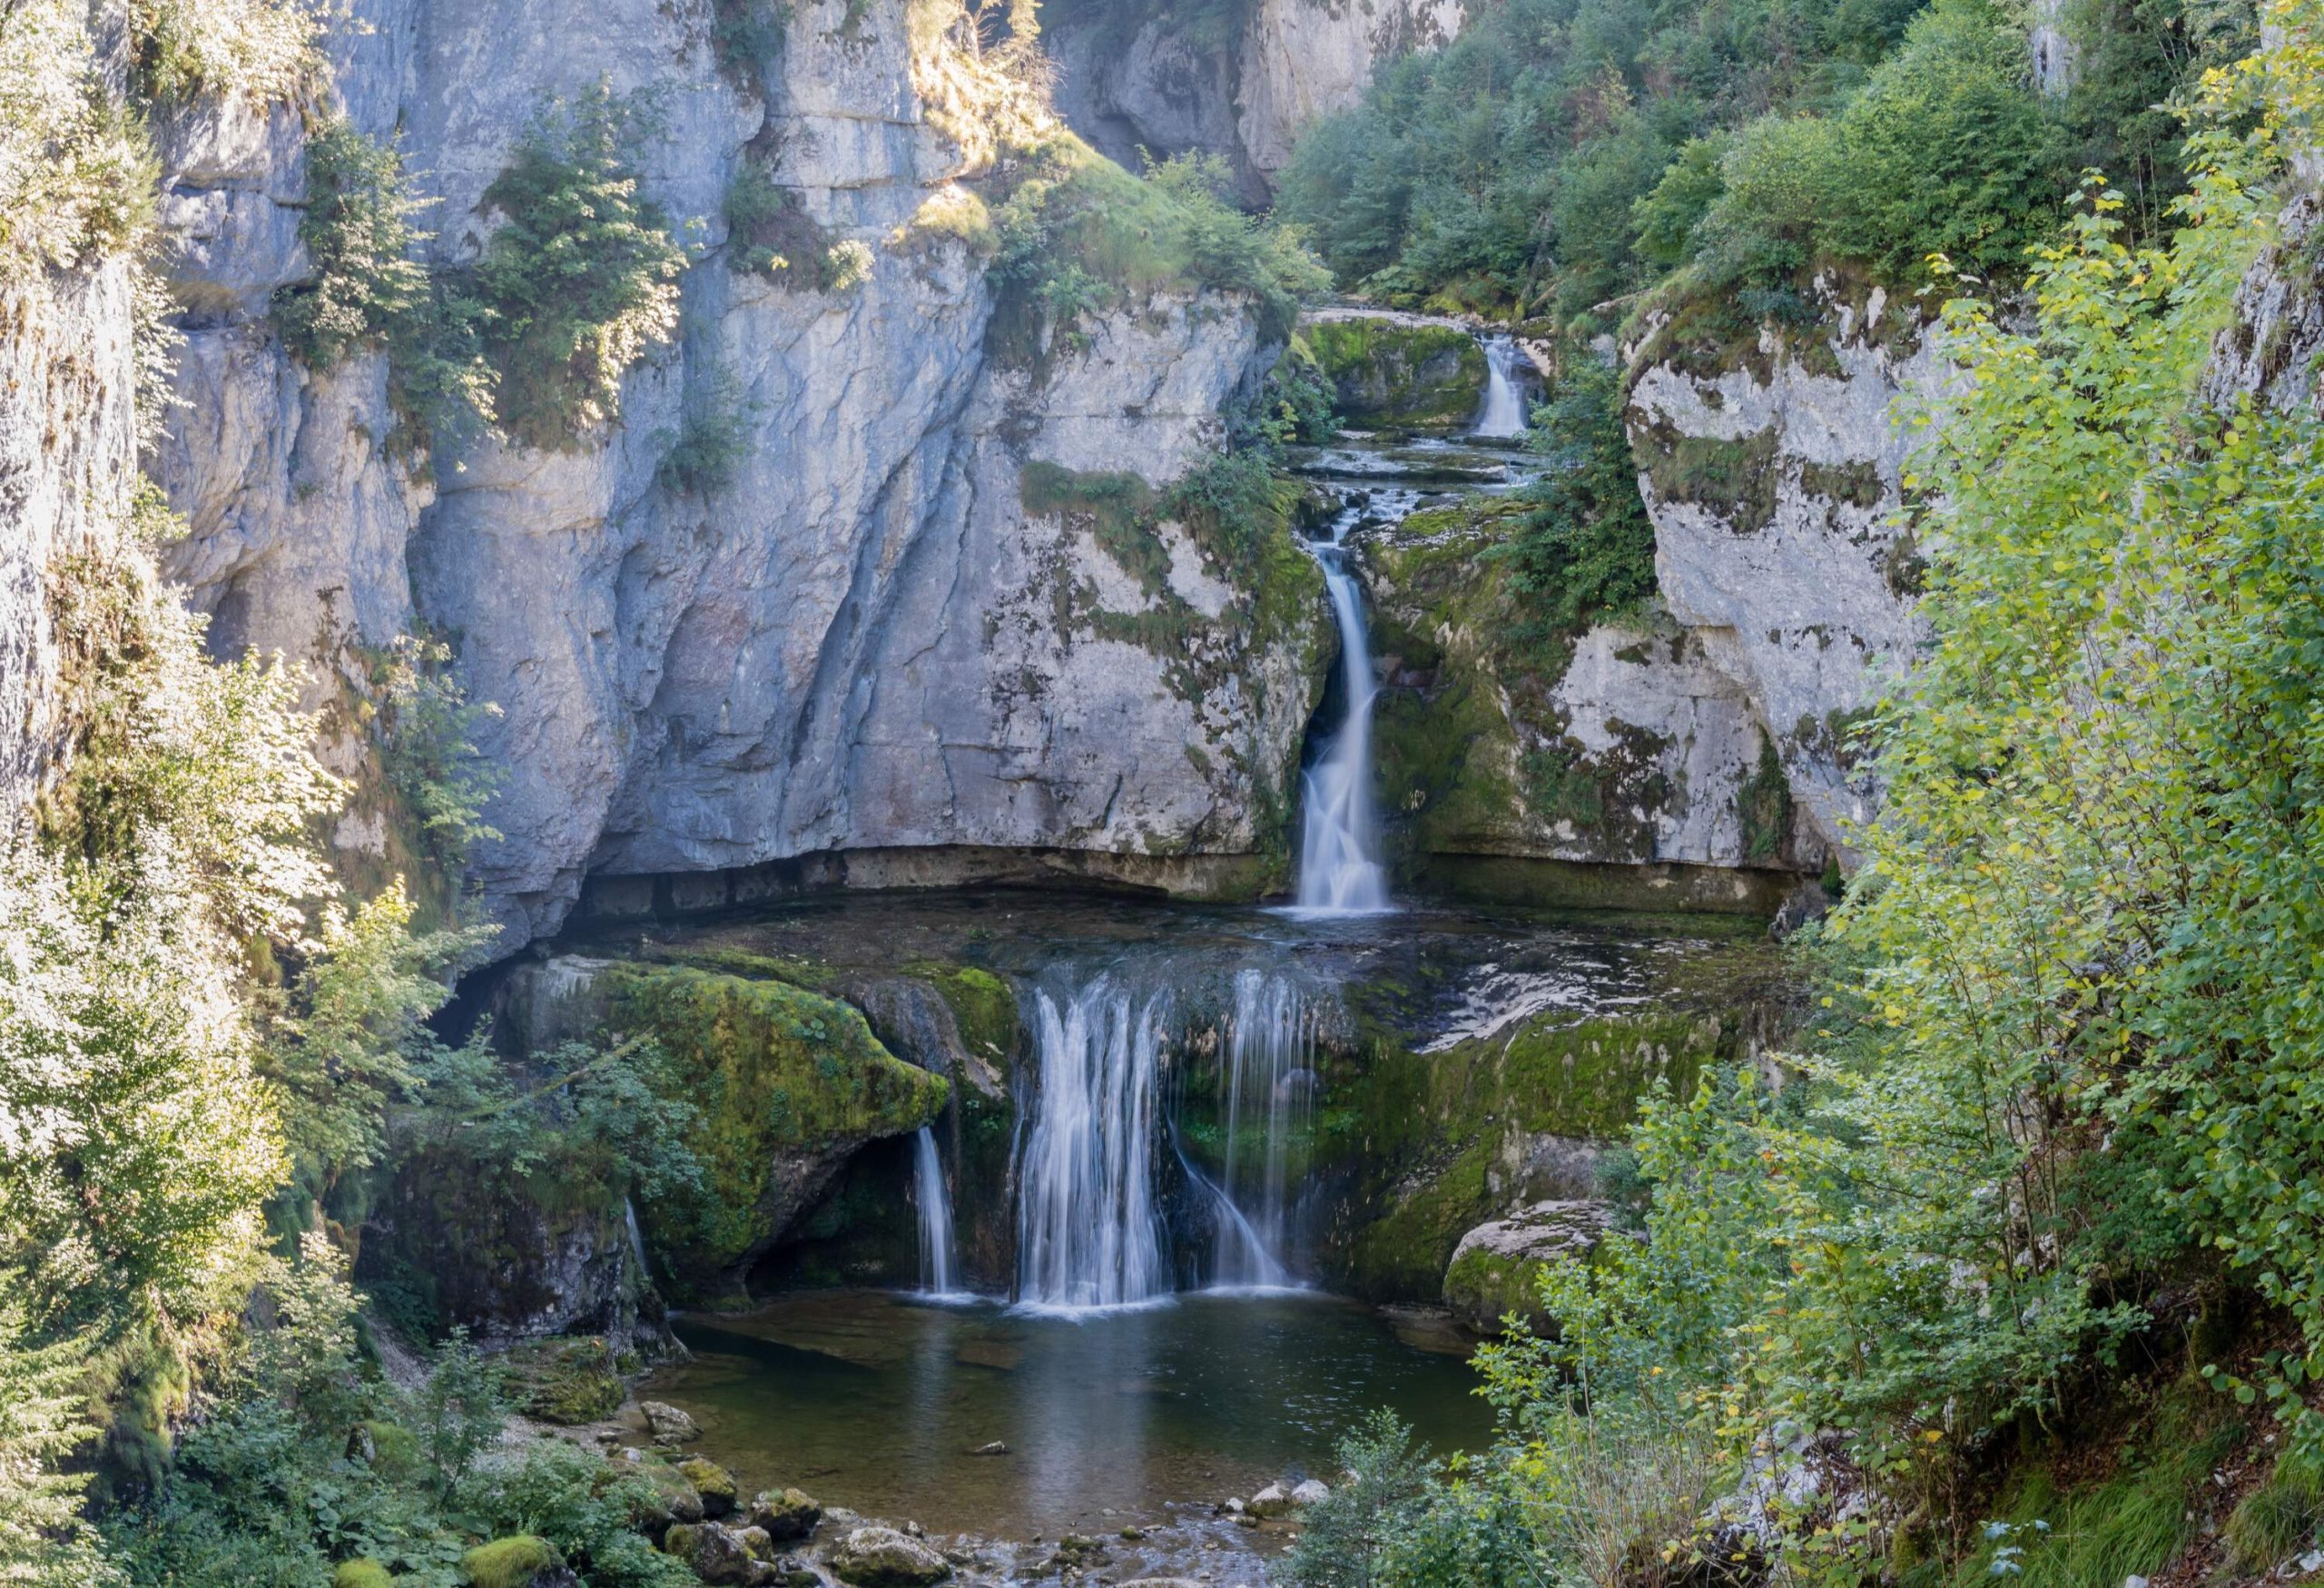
column 566, row 1381
column 716, row 1554
column 880, row 1557
column 666, row 1499
column 365, row 1573
column 518, row 1562
column 1431, row 1145
column 1398, row 372
column 716, row 1485
column 790, row 1083
column 787, row 1515
column 1496, row 1269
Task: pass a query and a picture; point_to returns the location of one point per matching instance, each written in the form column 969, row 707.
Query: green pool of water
column 875, row 1401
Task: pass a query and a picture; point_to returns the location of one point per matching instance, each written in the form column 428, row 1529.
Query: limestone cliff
column 1770, row 464
column 865, row 642
column 1130, row 79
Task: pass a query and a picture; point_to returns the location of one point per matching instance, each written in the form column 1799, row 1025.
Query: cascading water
column 1267, row 1086
column 1340, row 872
column 1088, row 1228
column 1504, row 415
column 935, row 1216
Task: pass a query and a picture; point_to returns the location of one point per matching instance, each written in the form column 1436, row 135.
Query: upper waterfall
column 1340, row 872
column 1504, row 415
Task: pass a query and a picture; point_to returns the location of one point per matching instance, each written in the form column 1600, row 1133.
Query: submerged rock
column 880, row 1557
column 668, row 1425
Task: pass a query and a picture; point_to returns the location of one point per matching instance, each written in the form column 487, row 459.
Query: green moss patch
column 784, row 1078
column 1422, row 1134
column 1736, row 480
column 1386, row 373
column 510, row 1563
column 566, row 1381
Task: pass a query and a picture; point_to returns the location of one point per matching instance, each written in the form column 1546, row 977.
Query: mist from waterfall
column 1089, row 1226
column 935, row 1216
column 1340, row 872
column 1504, row 415
column 1266, row 1084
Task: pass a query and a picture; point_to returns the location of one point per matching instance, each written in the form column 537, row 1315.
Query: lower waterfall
column 935, row 1216
column 1088, row 1224
column 1267, row 1082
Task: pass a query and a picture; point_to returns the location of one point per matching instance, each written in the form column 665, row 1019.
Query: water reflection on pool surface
column 877, row 1401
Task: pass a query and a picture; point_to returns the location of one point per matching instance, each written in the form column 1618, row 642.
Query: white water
column 1267, row 1084
column 1504, row 415
column 935, row 1216
column 1339, row 852
column 1088, row 1231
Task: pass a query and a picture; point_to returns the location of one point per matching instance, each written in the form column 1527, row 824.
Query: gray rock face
column 2269, row 352
column 865, row 643
column 1771, row 473
column 67, row 464
column 1493, row 1270
column 1146, row 87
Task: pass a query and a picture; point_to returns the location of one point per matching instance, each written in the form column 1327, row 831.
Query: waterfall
column 935, row 1216
column 1089, row 1232
column 1339, row 863
column 1504, row 415
column 1267, row 1086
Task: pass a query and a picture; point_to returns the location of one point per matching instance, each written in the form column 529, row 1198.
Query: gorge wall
column 1132, row 79
column 865, row 642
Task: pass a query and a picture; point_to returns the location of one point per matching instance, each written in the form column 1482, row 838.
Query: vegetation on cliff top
column 1562, row 156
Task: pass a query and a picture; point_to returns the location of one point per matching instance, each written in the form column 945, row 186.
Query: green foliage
column 1563, row 156
column 368, row 293
column 1077, row 235
column 76, row 171
column 509, row 1563
column 714, row 438
column 2279, row 1518
column 427, row 728
column 581, row 280
column 1584, row 550
column 222, row 49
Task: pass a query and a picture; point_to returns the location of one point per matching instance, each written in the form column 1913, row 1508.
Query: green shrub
column 713, row 436
column 581, row 280
column 1584, row 550
column 255, row 49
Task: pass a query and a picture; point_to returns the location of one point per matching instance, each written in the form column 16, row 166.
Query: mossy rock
column 1402, row 376
column 787, row 1515
column 789, row 1084
column 567, row 1381
column 395, row 1449
column 1482, row 1286
column 983, row 1006
column 1423, row 1137
column 713, row 1482
column 365, row 1573
column 510, row 1563
column 672, row 1498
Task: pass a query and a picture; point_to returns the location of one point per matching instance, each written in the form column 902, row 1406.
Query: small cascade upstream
column 1504, row 416
column 1088, row 1223
column 935, row 1216
column 1267, row 1083
column 1340, row 872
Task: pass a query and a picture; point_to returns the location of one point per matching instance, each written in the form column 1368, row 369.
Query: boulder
column 521, row 1561
column 668, row 1425
column 787, row 1514
column 1493, row 1269
column 1310, row 1492
column 1275, row 1500
column 714, row 1483
column 672, row 1499
column 880, row 1557
column 715, row 1553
